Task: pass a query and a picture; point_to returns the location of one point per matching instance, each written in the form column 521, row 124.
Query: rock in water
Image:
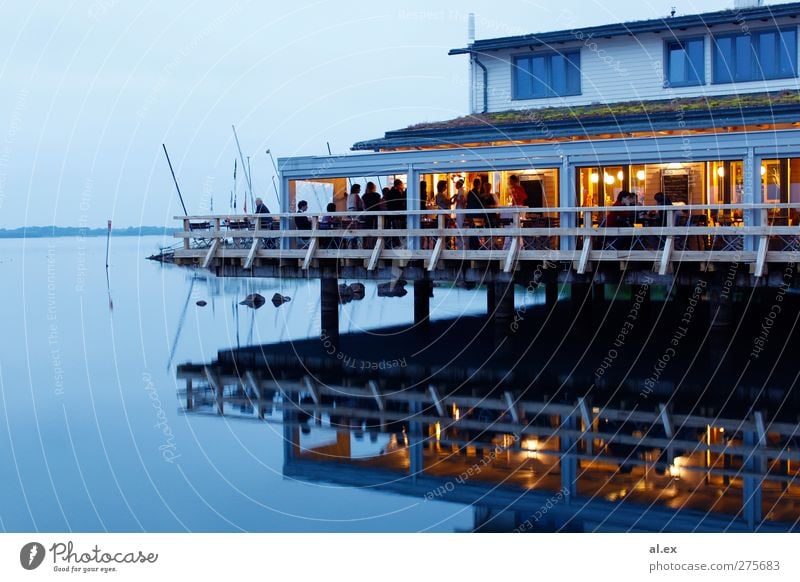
column 392, row 289
column 345, row 294
column 201, row 303
column 358, row 291
column 278, row 299
column 253, row 300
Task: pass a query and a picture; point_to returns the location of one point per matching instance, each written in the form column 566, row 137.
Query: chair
column 239, row 225
column 203, row 240
column 329, row 242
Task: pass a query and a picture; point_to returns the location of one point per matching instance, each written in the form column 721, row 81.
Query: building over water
column 703, row 107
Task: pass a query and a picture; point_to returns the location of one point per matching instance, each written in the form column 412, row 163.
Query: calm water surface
column 92, row 437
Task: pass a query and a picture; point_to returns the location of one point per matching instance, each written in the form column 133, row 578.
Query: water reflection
column 524, row 463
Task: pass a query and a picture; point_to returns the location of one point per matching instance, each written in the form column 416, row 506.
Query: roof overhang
column 679, row 115
column 675, row 24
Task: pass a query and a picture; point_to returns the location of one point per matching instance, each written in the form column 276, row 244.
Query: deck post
column 751, row 486
column 491, row 301
column 581, row 300
column 412, row 203
column 329, row 300
column 285, row 197
column 566, row 199
column 751, row 183
column 551, row 289
column 291, row 432
column 567, row 458
column 504, row 307
column 189, row 395
column 422, row 303
column 719, row 299
column 415, row 451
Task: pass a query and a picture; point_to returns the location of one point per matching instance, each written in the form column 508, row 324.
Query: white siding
column 615, row 70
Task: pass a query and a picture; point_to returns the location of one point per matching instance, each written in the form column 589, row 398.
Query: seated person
column 327, row 223
column 302, row 222
column 621, row 219
column 660, row 217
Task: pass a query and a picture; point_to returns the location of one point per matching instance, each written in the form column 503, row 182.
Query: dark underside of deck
column 557, row 352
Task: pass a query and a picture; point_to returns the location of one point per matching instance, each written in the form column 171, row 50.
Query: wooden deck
column 239, row 245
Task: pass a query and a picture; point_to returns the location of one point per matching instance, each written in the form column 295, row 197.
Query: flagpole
column 241, row 159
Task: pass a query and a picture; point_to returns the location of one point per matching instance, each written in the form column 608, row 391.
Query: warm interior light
column 763, row 170
column 721, row 171
column 609, row 179
column 620, row 175
column 595, row 178
column 674, row 166
column 456, row 412
column 531, row 446
column 676, row 469
column 438, row 431
column 640, row 175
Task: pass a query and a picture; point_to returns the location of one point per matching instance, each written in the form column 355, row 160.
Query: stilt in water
column 504, row 308
column 422, row 304
column 329, row 309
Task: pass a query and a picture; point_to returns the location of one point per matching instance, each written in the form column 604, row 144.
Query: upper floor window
column 756, row 56
column 686, row 62
column 547, row 75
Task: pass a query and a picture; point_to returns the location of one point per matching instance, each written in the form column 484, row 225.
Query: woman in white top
column 354, row 203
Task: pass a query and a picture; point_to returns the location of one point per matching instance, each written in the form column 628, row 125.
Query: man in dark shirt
column 261, row 208
column 371, row 198
column 397, row 203
column 302, row 222
column 474, row 203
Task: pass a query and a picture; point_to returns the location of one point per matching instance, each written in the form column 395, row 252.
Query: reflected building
column 523, row 464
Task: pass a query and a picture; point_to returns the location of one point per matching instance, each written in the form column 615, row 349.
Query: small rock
column 345, row 294
column 253, row 300
column 201, row 303
column 358, row 290
column 392, row 289
column 278, row 299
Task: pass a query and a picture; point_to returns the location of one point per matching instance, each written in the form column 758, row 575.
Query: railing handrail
column 498, row 209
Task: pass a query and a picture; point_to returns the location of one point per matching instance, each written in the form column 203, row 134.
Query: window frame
column 668, row 43
column 755, row 40
column 548, row 56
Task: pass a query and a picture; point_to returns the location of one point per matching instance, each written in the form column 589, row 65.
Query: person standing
column 371, row 198
column 474, row 202
column 518, row 195
column 443, row 201
column 397, row 203
column 261, row 208
column 460, row 204
column 354, row 202
column 372, row 203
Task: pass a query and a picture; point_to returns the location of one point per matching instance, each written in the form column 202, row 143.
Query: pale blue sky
column 89, row 89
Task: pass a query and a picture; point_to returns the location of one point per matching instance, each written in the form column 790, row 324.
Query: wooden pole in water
column 329, row 303
column 174, row 179
column 422, row 303
column 108, row 242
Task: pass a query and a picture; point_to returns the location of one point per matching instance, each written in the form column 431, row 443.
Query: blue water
column 92, row 437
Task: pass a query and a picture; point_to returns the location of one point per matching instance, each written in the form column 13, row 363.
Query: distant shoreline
column 56, row 231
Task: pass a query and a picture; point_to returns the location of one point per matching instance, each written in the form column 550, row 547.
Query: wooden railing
column 754, row 234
